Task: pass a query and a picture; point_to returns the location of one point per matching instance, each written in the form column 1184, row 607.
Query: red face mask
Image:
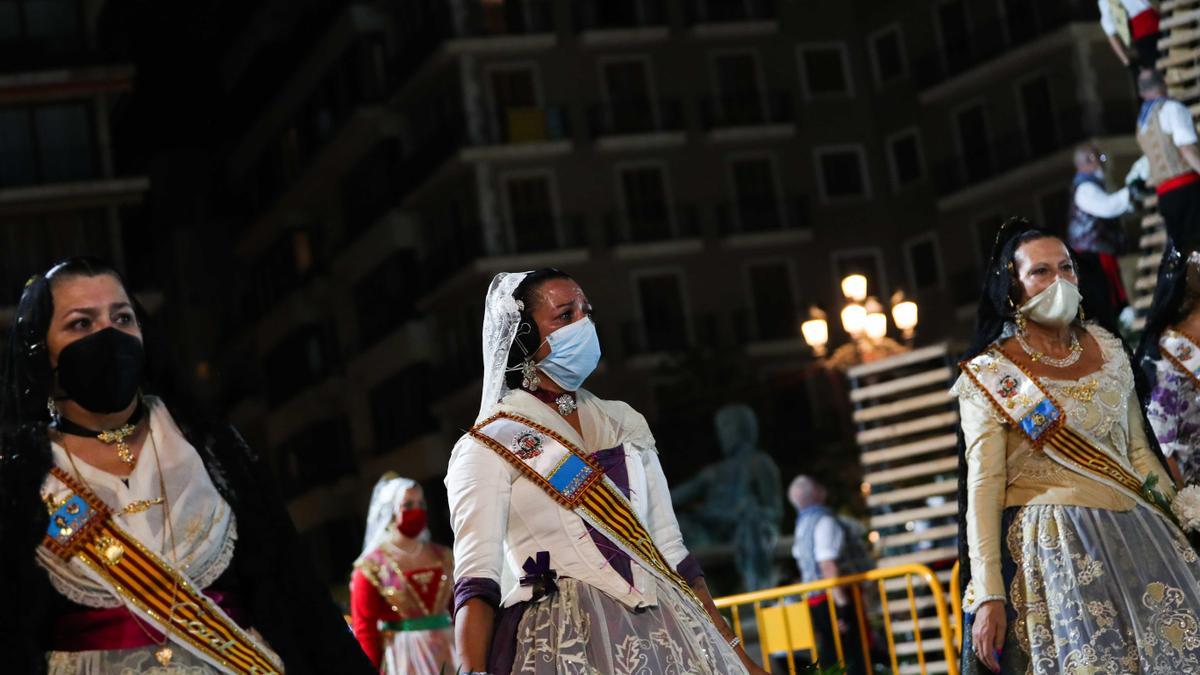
column 411, row 522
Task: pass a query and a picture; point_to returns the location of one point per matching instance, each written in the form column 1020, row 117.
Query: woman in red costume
column 401, row 588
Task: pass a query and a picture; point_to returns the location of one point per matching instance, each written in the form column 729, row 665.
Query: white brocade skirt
column 581, row 631
column 420, row 652
column 137, row 661
column 1098, row 591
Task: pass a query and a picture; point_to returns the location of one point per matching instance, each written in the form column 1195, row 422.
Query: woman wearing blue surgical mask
column 1069, row 553
column 568, row 555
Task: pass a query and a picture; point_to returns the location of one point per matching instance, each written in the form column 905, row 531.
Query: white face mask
column 1056, row 306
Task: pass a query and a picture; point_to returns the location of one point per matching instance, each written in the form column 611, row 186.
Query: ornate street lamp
column 864, row 320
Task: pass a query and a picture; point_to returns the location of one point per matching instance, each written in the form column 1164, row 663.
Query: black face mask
column 102, row 372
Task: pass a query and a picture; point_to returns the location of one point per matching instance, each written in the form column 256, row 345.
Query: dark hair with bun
column 528, row 337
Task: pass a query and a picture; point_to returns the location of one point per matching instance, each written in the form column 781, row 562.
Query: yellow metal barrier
column 956, row 604
column 787, row 628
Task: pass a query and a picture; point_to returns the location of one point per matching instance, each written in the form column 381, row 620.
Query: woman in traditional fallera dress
column 568, row 555
column 1170, row 356
column 137, row 537
column 1072, row 562
column 401, row 587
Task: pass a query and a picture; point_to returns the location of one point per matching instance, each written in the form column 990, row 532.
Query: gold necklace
column 114, row 551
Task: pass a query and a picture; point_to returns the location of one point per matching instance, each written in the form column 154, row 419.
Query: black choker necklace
column 565, row 402
column 110, row 436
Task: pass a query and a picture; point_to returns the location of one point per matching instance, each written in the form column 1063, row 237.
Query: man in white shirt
column 1093, row 220
column 823, row 550
column 1167, row 136
column 1131, row 23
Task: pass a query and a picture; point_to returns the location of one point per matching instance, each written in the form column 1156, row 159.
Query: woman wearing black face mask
column 137, row 538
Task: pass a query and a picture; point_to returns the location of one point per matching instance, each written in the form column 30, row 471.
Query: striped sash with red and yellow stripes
column 82, row 527
column 576, row 481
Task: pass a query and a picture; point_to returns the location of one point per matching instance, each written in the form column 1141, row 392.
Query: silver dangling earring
column 52, row 408
column 529, row 375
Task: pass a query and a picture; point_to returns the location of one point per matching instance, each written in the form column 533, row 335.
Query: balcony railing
column 530, row 125
column 47, row 165
column 681, row 221
column 619, row 14
column 725, row 11
column 635, row 117
column 511, row 17
column 989, row 40
column 754, row 217
column 744, row 110
column 1013, row 150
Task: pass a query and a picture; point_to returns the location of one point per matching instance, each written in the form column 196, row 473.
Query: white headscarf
column 381, row 514
column 501, row 319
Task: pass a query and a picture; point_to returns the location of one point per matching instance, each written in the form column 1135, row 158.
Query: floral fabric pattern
column 581, row 631
column 1174, row 412
column 1084, row 604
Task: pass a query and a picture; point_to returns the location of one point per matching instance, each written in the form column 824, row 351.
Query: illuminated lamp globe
column 854, row 319
column 904, row 314
column 876, row 325
column 816, row 330
column 854, row 287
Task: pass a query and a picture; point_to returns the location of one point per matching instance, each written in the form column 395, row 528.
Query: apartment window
column 825, row 71
column 630, row 99
column 647, row 209
column 739, row 88
column 955, row 33
column 27, row 241
column 842, row 173
column 904, row 155
column 531, row 213
column 974, row 144
column 756, row 194
column 887, row 55
column 385, row 298
column 47, row 143
column 1021, row 19
column 398, row 408
column 924, row 263
column 317, row 455
column 519, row 111
column 52, row 23
column 1037, row 113
column 1053, row 207
column 299, row 361
column 773, row 296
column 664, row 322
column 865, row 261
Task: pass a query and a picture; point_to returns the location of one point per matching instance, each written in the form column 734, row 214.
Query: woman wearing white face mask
column 568, row 554
column 1069, row 555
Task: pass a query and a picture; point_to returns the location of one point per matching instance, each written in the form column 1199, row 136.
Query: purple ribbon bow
column 539, row 575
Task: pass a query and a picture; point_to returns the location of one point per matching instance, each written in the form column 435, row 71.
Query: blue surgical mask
column 574, row 353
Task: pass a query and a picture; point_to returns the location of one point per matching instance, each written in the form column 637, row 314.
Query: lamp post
column 864, row 320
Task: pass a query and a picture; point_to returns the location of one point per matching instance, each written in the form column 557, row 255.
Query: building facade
column 707, row 169
column 65, row 188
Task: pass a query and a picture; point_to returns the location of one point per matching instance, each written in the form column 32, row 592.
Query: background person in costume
column 1167, row 136
column 187, row 489
column 400, row 590
column 1172, row 329
column 568, row 555
column 1063, row 569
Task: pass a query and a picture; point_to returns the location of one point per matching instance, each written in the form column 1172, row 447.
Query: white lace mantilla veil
column 501, row 318
column 381, row 514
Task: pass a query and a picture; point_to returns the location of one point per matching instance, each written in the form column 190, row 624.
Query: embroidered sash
column 1030, row 408
column 1183, row 353
column 81, row 526
column 577, row 482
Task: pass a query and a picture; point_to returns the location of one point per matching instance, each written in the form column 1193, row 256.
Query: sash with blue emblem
column 1182, row 352
column 578, row 483
column 1022, row 400
column 81, row 527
